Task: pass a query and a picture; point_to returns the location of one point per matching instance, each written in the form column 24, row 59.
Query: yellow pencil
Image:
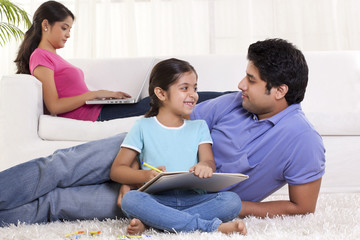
column 151, row 167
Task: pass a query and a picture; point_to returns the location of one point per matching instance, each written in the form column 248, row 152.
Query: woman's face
column 58, row 33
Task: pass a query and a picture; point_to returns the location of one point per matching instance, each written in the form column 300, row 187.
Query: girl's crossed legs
column 184, row 211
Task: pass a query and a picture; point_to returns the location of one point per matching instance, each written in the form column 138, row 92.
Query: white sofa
column 331, row 103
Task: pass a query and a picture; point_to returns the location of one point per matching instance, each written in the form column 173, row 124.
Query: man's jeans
column 182, row 210
column 70, row 184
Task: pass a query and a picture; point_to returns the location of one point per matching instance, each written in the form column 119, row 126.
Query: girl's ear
column 45, row 25
column 160, row 93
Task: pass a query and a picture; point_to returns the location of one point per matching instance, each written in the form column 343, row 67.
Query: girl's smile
column 182, row 96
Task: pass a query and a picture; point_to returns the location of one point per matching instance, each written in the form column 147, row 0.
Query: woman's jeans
column 70, row 184
column 182, row 210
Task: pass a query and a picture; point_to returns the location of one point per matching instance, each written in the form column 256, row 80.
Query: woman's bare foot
column 233, row 227
column 135, row 227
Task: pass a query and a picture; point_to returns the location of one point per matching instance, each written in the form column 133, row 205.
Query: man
column 260, row 131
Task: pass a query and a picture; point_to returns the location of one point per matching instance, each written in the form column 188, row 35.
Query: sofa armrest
column 20, row 107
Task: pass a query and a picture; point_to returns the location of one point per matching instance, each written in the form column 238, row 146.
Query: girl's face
column 182, row 96
column 57, row 34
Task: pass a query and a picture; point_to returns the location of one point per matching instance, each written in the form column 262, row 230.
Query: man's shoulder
column 292, row 117
column 222, row 103
column 295, row 125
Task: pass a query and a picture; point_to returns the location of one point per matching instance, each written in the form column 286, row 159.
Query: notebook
column 180, row 180
column 142, row 91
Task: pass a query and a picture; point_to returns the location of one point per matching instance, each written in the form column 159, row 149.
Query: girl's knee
column 232, row 201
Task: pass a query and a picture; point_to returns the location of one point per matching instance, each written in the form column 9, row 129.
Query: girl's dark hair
column 163, row 75
column 53, row 12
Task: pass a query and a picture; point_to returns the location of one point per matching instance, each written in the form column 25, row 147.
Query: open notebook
column 176, row 180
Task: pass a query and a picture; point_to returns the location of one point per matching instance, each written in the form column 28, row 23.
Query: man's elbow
column 300, row 210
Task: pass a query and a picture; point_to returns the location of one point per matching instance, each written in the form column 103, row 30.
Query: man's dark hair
column 280, row 62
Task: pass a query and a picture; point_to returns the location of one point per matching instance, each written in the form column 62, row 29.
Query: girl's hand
column 150, row 174
column 201, row 170
column 109, row 94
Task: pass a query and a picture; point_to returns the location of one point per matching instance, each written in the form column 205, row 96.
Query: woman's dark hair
column 163, row 75
column 53, row 12
column 280, row 62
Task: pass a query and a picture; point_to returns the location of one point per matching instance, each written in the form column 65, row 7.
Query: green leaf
column 13, row 16
column 7, row 31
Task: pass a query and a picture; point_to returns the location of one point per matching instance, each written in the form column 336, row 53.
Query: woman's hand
column 201, row 170
column 99, row 94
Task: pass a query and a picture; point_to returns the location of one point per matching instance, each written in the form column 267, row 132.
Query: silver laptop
column 142, row 92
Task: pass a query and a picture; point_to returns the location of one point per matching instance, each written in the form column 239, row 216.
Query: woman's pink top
column 69, row 82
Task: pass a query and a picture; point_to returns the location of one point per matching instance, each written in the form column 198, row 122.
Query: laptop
column 142, row 92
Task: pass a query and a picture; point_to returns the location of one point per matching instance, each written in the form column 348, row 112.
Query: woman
column 64, row 88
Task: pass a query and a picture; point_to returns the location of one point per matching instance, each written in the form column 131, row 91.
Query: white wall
column 133, row 28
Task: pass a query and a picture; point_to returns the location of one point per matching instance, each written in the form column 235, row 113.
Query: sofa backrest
column 331, row 101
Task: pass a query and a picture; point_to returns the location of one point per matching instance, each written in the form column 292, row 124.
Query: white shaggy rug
column 337, row 217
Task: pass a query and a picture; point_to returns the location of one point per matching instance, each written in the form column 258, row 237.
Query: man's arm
column 303, row 200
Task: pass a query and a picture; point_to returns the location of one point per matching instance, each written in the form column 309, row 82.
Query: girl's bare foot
column 233, row 227
column 135, row 227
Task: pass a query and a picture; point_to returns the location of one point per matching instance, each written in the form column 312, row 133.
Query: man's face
column 256, row 98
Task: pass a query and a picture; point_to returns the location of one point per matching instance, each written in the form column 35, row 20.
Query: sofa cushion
column 65, row 129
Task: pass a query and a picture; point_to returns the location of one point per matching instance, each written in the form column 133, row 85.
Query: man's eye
column 250, row 80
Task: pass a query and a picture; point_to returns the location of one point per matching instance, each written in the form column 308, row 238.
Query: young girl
column 64, row 88
column 165, row 139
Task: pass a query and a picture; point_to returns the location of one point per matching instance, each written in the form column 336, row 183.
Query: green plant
column 14, row 16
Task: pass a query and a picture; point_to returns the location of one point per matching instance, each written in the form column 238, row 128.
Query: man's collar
column 277, row 117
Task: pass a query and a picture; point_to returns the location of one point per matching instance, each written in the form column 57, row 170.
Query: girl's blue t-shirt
column 176, row 148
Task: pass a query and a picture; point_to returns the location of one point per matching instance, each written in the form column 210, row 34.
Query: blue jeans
column 182, row 210
column 114, row 111
column 70, row 184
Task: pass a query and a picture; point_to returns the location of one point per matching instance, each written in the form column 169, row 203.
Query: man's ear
column 281, row 91
column 160, row 93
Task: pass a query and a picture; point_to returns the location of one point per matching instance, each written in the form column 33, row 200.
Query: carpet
column 337, row 217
